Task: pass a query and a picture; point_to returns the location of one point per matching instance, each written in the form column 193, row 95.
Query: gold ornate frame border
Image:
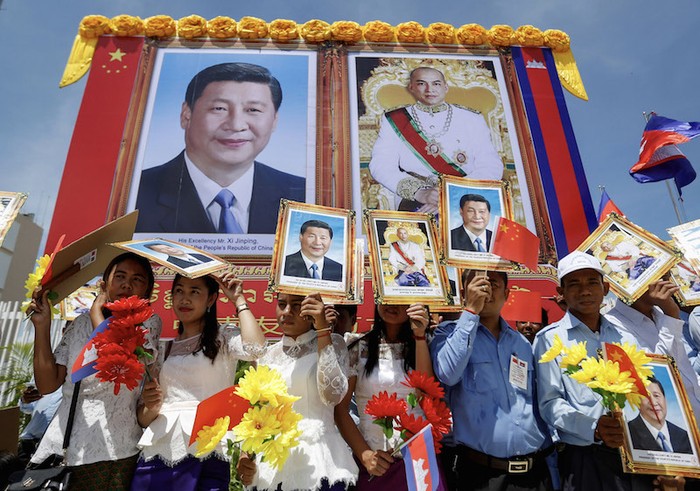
column 654, row 247
column 637, row 466
column 349, row 293
column 381, row 296
column 10, row 203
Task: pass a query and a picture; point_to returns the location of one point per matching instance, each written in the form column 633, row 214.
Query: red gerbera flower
column 383, row 405
column 438, row 414
column 410, row 424
column 125, row 306
column 114, row 364
column 424, row 383
column 133, row 318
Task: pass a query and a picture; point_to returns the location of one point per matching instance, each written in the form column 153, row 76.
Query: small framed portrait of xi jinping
column 632, row 257
column 469, row 211
column 314, row 251
column 661, row 436
column 404, row 258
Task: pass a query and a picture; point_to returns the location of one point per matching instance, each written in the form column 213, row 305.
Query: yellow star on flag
column 616, row 357
column 117, row 55
column 504, row 227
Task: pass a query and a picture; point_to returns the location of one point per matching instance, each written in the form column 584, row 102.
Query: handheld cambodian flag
column 84, row 365
column 606, row 207
column 420, row 461
column 659, row 158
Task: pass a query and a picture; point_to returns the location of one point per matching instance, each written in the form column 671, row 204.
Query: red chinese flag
column 224, row 403
column 524, row 306
column 516, row 243
column 614, row 352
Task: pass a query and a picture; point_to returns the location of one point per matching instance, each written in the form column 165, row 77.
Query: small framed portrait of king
column 10, row 203
column 632, row 257
column 687, row 237
column 314, row 251
column 684, row 275
column 185, row 260
column 404, row 259
column 468, row 214
column 661, row 436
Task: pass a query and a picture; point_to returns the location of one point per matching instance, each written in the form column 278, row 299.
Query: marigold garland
column 472, row 35
column 441, row 33
column 222, row 27
column 410, row 32
column 192, row 26
column 316, row 31
column 346, row 30
column 557, row 40
column 284, row 30
column 500, row 35
column 252, row 28
column 378, row 31
column 160, row 26
column 94, row 26
column 126, row 25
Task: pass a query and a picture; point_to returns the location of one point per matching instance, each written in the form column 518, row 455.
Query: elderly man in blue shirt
column 487, row 368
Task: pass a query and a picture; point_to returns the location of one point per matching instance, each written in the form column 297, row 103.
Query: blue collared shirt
column 42, row 412
column 490, row 414
column 571, row 408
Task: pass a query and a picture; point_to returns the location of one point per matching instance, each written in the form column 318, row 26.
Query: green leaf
column 412, row 399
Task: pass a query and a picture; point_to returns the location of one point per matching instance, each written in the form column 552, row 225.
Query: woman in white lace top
column 379, row 361
column 199, row 363
column 102, row 450
column 314, row 364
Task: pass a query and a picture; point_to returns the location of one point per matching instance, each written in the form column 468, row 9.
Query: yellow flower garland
column 316, row 31
column 160, row 26
column 222, row 27
column 192, row 26
column 346, row 30
column 284, row 30
column 410, row 32
column 126, row 25
column 377, row 31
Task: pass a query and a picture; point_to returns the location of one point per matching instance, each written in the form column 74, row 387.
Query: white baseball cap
column 576, row 261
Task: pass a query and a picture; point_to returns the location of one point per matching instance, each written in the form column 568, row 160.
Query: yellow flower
column 252, row 28
column 554, row 351
column 639, row 360
column 529, row 36
column 263, row 385
column 410, row 32
column 222, row 27
column 93, row 26
column 257, row 425
column 160, row 26
column 210, row 436
column 609, row 378
column 287, row 417
column 283, row 30
column 33, row 284
column 441, row 33
column 574, row 355
column 590, row 367
column 276, row 451
column 377, row 31
column 192, row 26
column 126, row 25
column 472, row 35
column 346, row 30
column 634, row 398
column 501, row 35
column 557, row 40
column 316, row 31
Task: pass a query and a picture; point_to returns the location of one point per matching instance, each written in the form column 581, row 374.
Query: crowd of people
column 517, row 424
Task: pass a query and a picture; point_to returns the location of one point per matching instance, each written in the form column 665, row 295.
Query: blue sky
column 634, row 56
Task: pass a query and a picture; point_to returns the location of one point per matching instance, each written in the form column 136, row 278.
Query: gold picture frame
column 334, row 244
column 631, row 257
column 684, row 276
column 642, row 452
column 428, row 284
column 458, row 248
column 10, row 203
column 687, row 237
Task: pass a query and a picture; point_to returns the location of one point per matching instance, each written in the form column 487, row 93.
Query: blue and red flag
column 84, row 365
column 420, row 461
column 606, row 207
column 659, row 158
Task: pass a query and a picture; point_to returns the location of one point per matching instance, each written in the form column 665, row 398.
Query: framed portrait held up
column 631, row 257
column 454, row 286
column 314, row 251
column 10, row 203
column 185, row 260
column 469, row 212
column 662, row 436
column 403, row 255
column 684, row 275
column 687, row 237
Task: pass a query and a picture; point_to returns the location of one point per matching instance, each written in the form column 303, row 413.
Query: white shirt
column 484, row 242
column 310, row 263
column 655, row 433
column 412, row 251
column 242, row 189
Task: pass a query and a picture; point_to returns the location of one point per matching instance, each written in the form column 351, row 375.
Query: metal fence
column 14, row 328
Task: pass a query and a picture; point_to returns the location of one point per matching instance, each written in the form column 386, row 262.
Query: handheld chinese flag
column 616, row 353
column 606, row 207
column 516, row 243
column 522, row 305
column 420, row 461
column 659, row 158
column 223, row 403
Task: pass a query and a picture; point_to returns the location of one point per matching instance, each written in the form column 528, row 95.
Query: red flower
column 438, row 414
column 130, row 305
column 114, row 364
column 411, row 424
column 424, row 383
column 128, row 337
column 383, row 405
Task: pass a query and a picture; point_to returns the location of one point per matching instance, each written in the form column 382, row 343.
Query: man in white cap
column 590, row 459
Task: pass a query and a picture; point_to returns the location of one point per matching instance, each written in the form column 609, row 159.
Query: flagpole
column 671, row 194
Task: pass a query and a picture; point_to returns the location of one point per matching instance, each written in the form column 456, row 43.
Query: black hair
column 142, row 261
column 654, row 380
column 351, row 309
column 209, row 343
column 317, row 224
column 545, row 317
column 474, row 197
column 502, row 274
column 373, row 339
column 410, row 75
column 233, row 72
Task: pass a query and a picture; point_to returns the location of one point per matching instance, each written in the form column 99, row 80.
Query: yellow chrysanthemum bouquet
column 268, row 427
column 34, row 284
column 620, row 377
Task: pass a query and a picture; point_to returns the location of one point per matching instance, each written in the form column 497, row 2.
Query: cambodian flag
column 420, row 462
column 606, row 207
column 659, row 158
column 84, row 365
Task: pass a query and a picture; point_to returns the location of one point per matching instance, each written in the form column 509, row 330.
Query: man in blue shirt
column 42, row 410
column 487, row 368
